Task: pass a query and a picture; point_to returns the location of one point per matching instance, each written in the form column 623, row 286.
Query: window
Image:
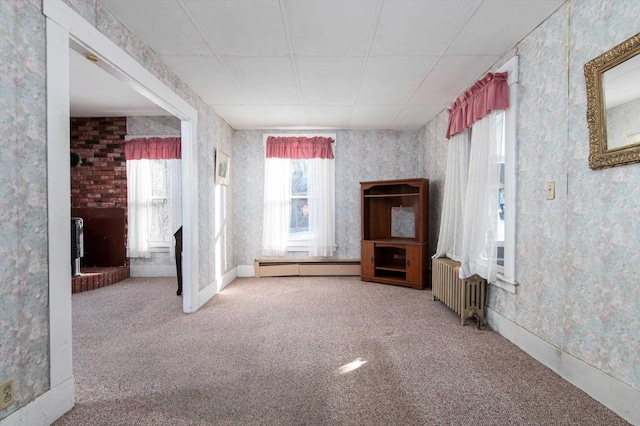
column 478, row 220
column 299, row 195
column 299, row 201
column 154, row 199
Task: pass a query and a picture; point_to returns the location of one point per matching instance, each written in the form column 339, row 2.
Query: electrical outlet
column 551, row 190
column 6, row 394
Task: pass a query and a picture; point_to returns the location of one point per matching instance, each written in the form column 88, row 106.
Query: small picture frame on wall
column 222, row 168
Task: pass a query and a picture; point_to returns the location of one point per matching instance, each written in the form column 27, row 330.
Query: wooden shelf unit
column 393, row 250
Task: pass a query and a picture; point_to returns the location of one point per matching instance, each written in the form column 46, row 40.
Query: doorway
column 65, row 26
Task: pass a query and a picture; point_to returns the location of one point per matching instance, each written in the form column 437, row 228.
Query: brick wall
column 101, row 180
column 100, row 183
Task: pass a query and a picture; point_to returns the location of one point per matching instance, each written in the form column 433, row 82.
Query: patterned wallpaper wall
column 24, row 300
column 361, row 155
column 578, row 256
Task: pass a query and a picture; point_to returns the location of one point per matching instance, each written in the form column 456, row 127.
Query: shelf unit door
column 414, row 263
column 367, row 260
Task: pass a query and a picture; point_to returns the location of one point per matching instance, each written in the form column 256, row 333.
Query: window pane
column 298, row 177
column 159, row 178
column 159, row 221
column 299, row 217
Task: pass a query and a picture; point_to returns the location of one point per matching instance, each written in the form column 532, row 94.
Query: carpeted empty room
column 304, row 351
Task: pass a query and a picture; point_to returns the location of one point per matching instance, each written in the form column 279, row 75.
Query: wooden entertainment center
column 394, row 246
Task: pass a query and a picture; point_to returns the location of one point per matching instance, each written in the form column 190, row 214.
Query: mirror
column 613, row 105
column 403, row 222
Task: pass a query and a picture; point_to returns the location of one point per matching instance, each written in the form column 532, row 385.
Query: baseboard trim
column 609, row 391
column 45, row 409
column 245, row 271
column 215, row 287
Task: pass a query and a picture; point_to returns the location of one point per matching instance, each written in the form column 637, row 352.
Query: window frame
column 506, row 277
column 299, row 244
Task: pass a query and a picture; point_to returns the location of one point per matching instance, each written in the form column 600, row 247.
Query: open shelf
column 394, row 232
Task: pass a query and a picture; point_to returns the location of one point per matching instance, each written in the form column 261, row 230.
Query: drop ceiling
column 330, row 64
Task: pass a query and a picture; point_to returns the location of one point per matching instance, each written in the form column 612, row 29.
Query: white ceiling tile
column 419, row 27
column 373, row 116
column 414, row 117
column 323, row 116
column 328, row 81
column 206, row 75
column 161, row 24
column 389, row 81
column 237, row 116
column 279, row 116
column 451, row 76
column 499, row 24
column 264, row 80
column 333, row 28
column 241, row 27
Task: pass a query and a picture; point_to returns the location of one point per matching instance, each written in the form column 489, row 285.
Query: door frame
column 63, row 26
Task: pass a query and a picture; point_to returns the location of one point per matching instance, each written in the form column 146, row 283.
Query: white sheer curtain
column 481, row 202
column 277, row 184
column 321, row 193
column 139, row 204
column 455, row 188
column 138, row 207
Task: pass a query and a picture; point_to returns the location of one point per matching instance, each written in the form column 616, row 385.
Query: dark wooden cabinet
column 395, row 232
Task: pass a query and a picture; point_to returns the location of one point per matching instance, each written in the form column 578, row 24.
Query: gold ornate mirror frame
column 600, row 156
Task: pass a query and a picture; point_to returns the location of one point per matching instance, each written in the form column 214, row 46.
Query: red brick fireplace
column 99, row 196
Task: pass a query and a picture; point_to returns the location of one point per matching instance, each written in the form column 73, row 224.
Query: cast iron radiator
column 466, row 297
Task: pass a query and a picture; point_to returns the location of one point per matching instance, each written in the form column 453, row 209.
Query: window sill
column 505, row 284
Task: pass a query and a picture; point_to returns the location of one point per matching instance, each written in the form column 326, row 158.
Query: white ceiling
column 330, row 64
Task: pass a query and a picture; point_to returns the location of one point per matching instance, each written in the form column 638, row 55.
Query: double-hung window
column 153, row 194
column 299, row 195
column 478, row 219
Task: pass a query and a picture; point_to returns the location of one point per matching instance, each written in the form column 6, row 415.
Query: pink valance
column 153, row 148
column 299, row 147
column 486, row 95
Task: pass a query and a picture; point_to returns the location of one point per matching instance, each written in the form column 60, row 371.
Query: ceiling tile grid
column 330, row 64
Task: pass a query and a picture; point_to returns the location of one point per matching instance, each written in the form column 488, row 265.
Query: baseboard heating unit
column 306, row 267
column 466, row 297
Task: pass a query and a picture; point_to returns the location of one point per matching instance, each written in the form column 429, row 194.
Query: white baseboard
column 215, row 287
column 609, row 391
column 46, row 408
column 153, row 271
column 246, row 271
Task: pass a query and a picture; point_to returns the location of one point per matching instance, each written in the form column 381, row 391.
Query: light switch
column 551, row 190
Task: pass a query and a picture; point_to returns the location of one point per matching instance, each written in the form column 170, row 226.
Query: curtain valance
column 487, row 94
column 153, row 148
column 299, row 147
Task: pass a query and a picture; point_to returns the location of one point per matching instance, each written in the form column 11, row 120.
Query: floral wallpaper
column 361, row 155
column 24, row 313
column 578, row 256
